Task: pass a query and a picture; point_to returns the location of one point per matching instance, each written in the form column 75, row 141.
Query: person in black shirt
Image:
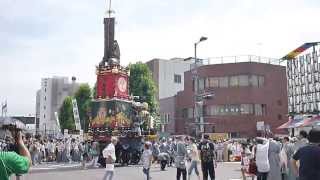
column 309, row 158
column 207, row 157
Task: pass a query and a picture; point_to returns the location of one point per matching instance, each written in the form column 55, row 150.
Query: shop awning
column 292, row 122
column 300, row 121
column 311, row 121
column 285, row 125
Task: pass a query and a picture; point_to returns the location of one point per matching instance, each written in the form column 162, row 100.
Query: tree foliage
column 83, row 97
column 141, row 84
column 66, row 115
column 94, row 90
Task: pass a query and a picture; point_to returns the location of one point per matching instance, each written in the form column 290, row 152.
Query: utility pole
column 197, row 109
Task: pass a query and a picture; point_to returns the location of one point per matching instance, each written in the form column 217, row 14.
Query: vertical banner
column 66, row 133
column 81, row 135
column 76, row 114
column 4, row 109
column 58, row 122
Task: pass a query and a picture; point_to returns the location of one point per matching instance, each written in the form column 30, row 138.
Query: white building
column 37, row 115
column 169, row 75
column 51, row 96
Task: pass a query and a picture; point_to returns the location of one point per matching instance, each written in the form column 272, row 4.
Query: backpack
column 206, row 152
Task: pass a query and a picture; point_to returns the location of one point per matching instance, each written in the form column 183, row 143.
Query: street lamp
column 203, row 38
column 198, row 119
column 195, row 47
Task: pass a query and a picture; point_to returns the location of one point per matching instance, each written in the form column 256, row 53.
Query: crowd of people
column 262, row 158
column 287, row 158
column 63, row 150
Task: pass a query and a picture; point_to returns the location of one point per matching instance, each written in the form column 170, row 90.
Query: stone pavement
column 225, row 171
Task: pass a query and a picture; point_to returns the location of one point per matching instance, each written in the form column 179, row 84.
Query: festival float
column 113, row 110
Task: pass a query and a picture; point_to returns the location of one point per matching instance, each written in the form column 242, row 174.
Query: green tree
column 141, row 84
column 83, row 97
column 66, row 115
column 94, row 90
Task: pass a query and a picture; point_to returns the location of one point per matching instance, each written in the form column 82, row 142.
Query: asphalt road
column 225, row 171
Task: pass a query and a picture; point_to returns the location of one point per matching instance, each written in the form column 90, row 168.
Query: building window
column 212, row 110
column 214, row 82
column 201, row 84
column 246, row 109
column 161, row 118
column 164, row 118
column 254, row 80
column 261, row 81
column 234, row 110
column 44, row 107
column 45, row 98
column 264, row 109
column 222, row 109
column 45, row 89
column 243, row 80
column 190, row 113
column 184, row 112
column 177, row 78
column 44, row 116
column 207, row 83
column 223, row 82
column 215, row 110
column 279, row 117
column 234, row 81
column 258, row 109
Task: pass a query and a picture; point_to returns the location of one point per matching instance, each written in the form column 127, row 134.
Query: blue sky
column 43, row 38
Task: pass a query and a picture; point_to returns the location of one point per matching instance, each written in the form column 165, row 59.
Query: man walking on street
column 180, row 159
column 309, row 158
column 207, row 157
column 110, row 154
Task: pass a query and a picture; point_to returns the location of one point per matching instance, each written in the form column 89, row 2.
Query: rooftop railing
column 238, row 59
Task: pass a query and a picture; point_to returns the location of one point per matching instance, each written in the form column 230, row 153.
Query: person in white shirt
column 219, row 151
column 262, row 160
column 194, row 160
column 146, row 159
column 109, row 154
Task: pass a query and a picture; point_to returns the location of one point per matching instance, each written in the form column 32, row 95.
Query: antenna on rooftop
column 110, row 11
